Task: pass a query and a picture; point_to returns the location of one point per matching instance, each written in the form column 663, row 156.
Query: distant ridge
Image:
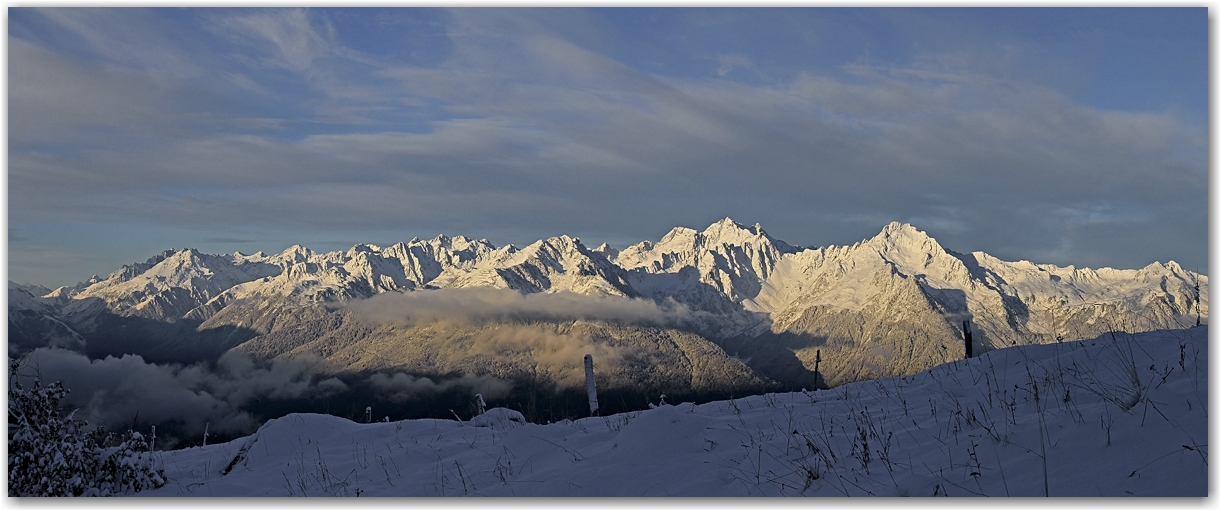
column 889, row 305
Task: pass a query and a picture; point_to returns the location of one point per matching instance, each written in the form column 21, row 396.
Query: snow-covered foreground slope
column 1112, row 416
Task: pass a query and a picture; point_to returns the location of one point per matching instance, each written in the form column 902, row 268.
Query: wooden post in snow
column 1198, row 314
column 590, row 385
column 816, row 376
column 969, row 339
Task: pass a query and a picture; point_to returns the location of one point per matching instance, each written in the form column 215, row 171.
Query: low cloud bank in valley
column 117, row 390
column 483, row 305
column 114, row 392
column 525, row 330
column 555, row 353
column 400, row 387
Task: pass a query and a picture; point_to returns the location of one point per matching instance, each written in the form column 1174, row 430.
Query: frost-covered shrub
column 47, row 456
column 53, row 456
column 499, row 417
column 127, row 467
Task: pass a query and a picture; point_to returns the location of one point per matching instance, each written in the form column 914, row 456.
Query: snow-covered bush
column 49, row 455
column 127, row 467
column 498, row 417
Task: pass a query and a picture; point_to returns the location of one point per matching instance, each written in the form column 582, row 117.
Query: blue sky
column 1065, row 136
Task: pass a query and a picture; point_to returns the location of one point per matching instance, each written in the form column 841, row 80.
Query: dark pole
column 816, row 360
column 1198, row 314
column 969, row 339
column 590, row 385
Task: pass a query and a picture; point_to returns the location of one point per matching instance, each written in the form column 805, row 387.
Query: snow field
column 1116, row 415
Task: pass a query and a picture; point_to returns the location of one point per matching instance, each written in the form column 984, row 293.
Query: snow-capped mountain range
column 890, row 305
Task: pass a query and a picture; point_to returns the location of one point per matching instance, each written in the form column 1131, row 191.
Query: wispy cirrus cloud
column 528, row 123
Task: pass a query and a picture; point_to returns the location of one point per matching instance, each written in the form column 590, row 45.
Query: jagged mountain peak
column 555, row 264
column 1157, row 266
column 180, row 254
column 898, row 242
column 191, row 256
column 130, row 271
column 565, row 240
column 676, row 233
column 455, row 243
column 725, row 232
column 733, row 225
column 731, row 233
column 156, row 259
column 606, row 250
column 727, row 222
column 34, row 289
column 728, row 229
column 362, row 248
column 897, row 231
column 294, row 254
column 440, row 240
column 560, row 245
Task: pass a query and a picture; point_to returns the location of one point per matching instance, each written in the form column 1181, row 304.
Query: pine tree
column 49, row 455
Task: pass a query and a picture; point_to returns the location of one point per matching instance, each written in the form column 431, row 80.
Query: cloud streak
column 486, row 305
column 400, row 387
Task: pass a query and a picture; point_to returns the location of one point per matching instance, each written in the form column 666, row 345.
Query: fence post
column 816, row 376
column 590, row 385
column 969, row 339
